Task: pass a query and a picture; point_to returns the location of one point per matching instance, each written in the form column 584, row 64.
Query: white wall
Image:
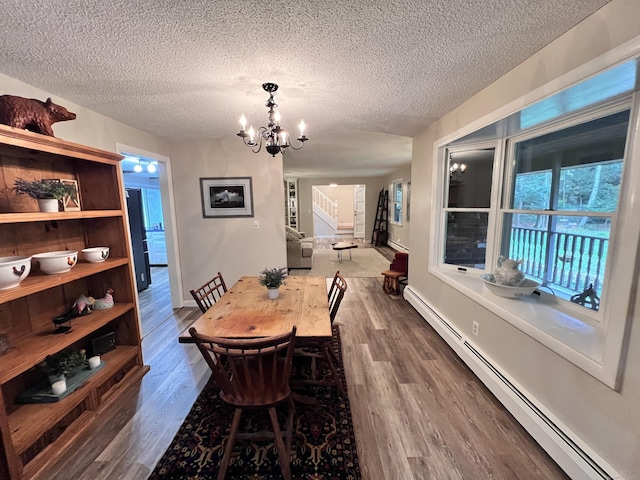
column 228, row 245
column 607, row 421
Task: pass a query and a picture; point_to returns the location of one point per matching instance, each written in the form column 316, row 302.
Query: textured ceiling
column 365, row 75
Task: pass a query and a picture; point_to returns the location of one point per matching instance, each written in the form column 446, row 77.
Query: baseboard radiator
column 397, row 246
column 564, row 446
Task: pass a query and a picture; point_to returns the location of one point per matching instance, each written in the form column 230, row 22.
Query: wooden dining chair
column 253, row 373
column 323, row 349
column 336, row 293
column 209, row 293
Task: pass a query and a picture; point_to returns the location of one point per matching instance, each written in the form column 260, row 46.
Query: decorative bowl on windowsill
column 524, row 290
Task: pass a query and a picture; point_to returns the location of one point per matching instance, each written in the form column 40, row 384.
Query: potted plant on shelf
column 272, row 278
column 48, row 192
column 62, row 364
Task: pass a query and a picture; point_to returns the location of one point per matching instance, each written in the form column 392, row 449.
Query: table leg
column 339, row 256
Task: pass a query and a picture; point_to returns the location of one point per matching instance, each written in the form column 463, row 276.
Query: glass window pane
column 466, row 241
column 397, row 213
column 575, row 169
column 470, row 175
column 532, row 191
column 398, row 191
column 608, row 84
column 567, row 254
column 590, row 187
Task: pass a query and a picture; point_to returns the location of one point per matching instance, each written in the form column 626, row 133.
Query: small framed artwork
column 226, row 197
column 71, row 203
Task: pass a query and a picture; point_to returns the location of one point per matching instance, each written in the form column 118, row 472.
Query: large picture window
column 564, row 190
column 546, row 186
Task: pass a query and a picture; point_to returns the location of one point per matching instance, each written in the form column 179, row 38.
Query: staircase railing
column 325, row 204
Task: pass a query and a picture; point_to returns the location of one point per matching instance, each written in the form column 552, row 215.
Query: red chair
column 397, row 273
column 400, row 263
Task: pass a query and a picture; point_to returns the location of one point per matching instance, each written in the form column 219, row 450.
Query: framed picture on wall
column 226, row 197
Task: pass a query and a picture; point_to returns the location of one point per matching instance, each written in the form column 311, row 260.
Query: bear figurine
column 31, row 114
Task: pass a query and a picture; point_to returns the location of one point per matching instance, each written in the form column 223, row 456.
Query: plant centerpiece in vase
column 48, row 192
column 272, row 278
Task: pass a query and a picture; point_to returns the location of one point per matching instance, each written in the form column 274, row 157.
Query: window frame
column 596, row 345
column 393, row 204
column 498, row 146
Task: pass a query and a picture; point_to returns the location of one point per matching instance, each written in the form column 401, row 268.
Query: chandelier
column 275, row 137
column 456, row 169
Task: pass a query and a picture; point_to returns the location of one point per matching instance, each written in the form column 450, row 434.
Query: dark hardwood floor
column 418, row 411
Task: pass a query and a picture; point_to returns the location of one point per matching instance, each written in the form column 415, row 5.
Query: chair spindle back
column 209, row 293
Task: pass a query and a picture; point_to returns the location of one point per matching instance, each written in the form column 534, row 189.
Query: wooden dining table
column 245, row 311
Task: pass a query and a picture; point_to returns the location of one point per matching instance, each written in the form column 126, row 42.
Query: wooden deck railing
column 559, row 259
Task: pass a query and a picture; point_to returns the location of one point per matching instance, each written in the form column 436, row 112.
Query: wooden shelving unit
column 380, row 233
column 291, row 202
column 33, row 434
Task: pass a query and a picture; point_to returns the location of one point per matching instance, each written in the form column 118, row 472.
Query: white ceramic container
column 53, row 263
column 525, row 289
column 95, row 254
column 94, row 362
column 13, row 270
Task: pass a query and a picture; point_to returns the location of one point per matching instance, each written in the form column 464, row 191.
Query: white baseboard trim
column 190, row 303
column 397, row 246
column 572, row 454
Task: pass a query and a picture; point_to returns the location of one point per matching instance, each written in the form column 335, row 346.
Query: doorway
column 341, row 213
column 160, row 219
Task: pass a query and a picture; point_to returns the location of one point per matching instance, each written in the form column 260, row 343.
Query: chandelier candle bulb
column 273, row 135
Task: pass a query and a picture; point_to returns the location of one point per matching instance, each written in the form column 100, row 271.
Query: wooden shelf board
column 38, row 281
column 29, row 422
column 84, row 421
column 57, row 216
column 32, row 349
column 18, row 137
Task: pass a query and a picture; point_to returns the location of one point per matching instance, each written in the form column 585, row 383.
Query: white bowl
column 95, row 254
column 524, row 290
column 13, row 270
column 56, row 262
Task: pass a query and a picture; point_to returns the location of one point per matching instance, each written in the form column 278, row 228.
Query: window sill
column 578, row 342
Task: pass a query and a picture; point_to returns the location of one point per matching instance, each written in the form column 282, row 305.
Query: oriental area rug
column 324, row 446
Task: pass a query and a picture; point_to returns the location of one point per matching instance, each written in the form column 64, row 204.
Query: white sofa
column 299, row 249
